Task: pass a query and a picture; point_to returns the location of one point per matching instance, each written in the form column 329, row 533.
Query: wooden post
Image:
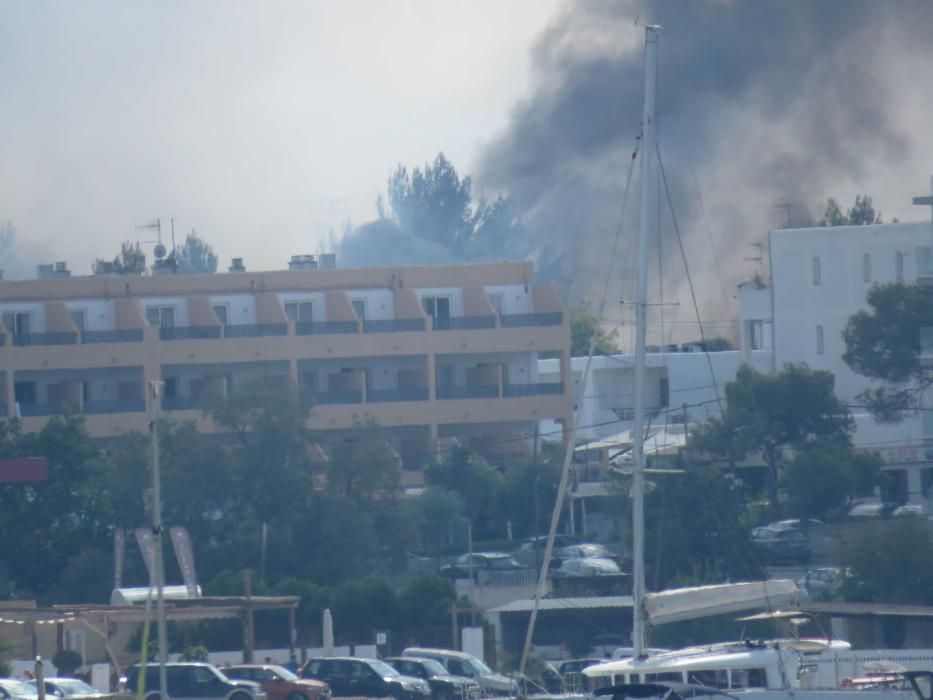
column 292, row 634
column 40, row 679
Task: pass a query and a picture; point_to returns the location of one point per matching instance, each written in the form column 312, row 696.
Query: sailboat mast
column 645, row 229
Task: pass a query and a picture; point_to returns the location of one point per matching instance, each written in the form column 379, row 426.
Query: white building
column 819, row 278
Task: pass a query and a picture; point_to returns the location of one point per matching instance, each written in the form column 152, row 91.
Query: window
column 220, row 311
column 24, row 392
column 78, row 317
column 161, row 316
column 664, row 391
column 17, row 322
column 299, row 311
column 170, row 390
column 438, row 308
column 445, row 375
column 866, row 267
column 359, row 306
column 899, row 266
column 749, row 678
column 755, row 334
column 496, row 301
column 817, row 277
column 711, row 678
column 819, row 340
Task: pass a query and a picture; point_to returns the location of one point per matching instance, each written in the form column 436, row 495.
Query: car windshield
column 284, row 673
column 434, row 668
column 383, row 669
column 18, row 687
column 593, row 550
column 480, row 668
column 71, row 687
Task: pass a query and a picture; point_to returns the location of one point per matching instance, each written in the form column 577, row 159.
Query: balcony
column 131, row 335
column 390, row 395
column 554, row 318
column 326, row 327
column 33, row 339
column 538, row 389
column 337, row 397
column 125, row 406
column 255, row 330
column 189, row 333
column 393, row 325
column 464, row 323
column 479, row 391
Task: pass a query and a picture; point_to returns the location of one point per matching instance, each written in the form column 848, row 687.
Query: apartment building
column 428, row 353
column 819, row 278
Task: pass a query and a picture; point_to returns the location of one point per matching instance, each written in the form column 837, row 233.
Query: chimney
column 302, row 262
column 328, row 261
column 53, row 271
column 236, row 265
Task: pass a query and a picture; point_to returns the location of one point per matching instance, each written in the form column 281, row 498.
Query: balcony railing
column 554, row 318
column 181, row 403
column 393, row 325
column 128, row 335
column 337, row 397
column 55, row 338
column 189, row 333
column 539, row 389
column 126, row 406
column 483, row 391
column 326, row 327
column 255, row 330
column 28, row 410
column 464, row 323
column 387, row 395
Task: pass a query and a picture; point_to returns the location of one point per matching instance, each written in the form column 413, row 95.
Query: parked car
column 11, row 689
column 822, row 583
column 444, row 686
column 797, row 524
column 66, row 688
column 871, row 510
column 193, row 680
column 366, row 678
column 529, row 544
column 587, row 549
column 278, row 682
column 781, row 544
column 482, row 561
column 459, row 663
column 588, row 566
column 911, row 510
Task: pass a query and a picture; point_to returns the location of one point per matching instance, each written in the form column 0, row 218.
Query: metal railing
column 189, row 333
column 393, row 325
column 117, row 406
column 326, row 327
column 337, row 397
column 539, row 389
column 54, row 338
column 553, row 318
column 464, row 323
column 484, row 391
column 180, row 403
column 255, row 330
column 127, row 335
column 520, row 577
column 28, row 410
column 387, row 395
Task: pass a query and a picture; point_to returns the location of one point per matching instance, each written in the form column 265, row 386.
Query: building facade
column 819, row 278
column 428, row 353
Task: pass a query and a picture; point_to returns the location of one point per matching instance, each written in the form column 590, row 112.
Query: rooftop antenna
column 159, row 251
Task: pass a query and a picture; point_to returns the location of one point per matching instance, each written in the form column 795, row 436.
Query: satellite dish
column 159, row 251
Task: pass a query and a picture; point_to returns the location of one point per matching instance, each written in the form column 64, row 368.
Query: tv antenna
column 160, row 251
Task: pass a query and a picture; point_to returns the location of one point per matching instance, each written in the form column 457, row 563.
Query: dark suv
column 443, row 685
column 192, row 680
column 368, row 678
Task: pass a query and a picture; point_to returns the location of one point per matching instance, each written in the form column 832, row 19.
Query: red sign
column 24, row 469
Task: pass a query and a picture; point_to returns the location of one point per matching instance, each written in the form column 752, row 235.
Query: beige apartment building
column 429, row 353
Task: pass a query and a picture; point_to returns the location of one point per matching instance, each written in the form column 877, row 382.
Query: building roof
column 578, row 603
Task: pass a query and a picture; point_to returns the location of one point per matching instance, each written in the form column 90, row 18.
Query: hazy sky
column 260, row 124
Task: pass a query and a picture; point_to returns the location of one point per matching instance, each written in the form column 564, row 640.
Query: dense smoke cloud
column 766, row 101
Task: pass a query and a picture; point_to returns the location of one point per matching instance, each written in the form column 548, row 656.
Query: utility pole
column 158, row 565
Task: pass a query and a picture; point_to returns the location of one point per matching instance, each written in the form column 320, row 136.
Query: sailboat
column 777, row 669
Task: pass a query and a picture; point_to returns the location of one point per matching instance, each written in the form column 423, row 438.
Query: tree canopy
column 892, row 563
column 860, row 214
column 584, row 326
column 194, row 256
column 886, row 342
column 130, row 261
column 771, row 414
